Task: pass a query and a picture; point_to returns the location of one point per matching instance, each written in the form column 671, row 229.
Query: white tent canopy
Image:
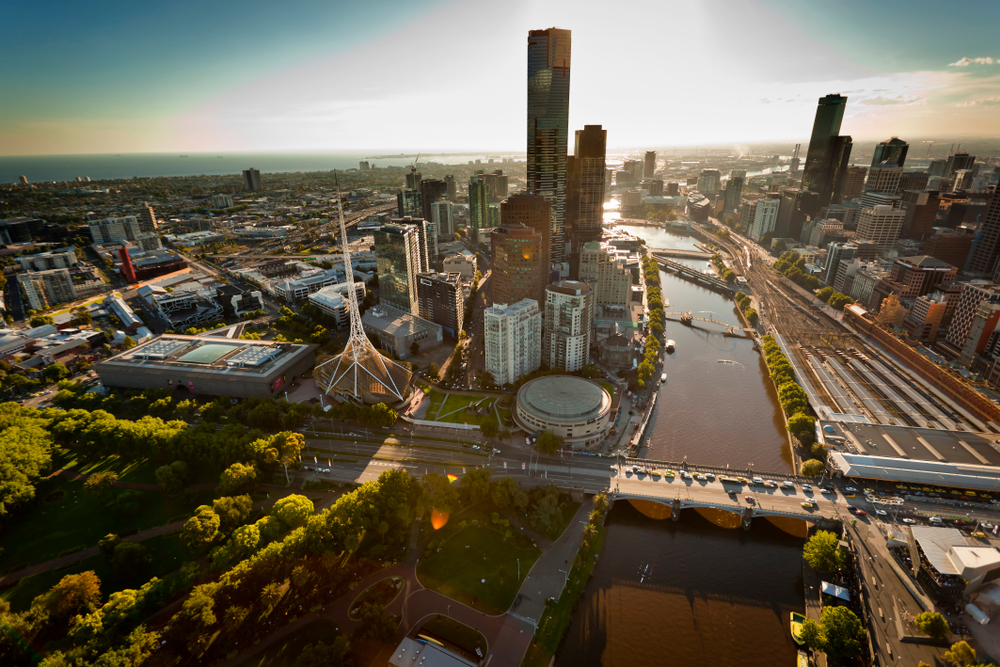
column 835, row 591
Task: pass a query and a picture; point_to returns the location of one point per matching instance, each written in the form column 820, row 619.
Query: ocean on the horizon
column 47, row 168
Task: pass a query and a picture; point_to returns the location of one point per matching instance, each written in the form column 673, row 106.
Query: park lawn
column 141, row 471
column 456, row 405
column 66, row 518
column 568, row 509
column 437, row 399
column 471, row 556
column 168, row 552
column 286, row 653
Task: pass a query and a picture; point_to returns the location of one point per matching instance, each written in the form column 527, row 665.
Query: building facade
column 44, row 289
column 765, row 218
column 569, row 317
column 585, row 188
column 397, row 257
column 519, row 263
column 111, row 230
column 513, row 340
column 828, row 153
column 604, row 268
column 441, row 300
column 880, row 225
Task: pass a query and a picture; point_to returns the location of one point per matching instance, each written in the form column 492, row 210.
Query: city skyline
column 235, row 82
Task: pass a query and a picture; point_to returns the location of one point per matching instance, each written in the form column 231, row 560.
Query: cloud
column 989, row 101
column 899, row 99
column 965, row 62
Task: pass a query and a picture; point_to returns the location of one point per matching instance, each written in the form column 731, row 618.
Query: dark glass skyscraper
column 585, row 174
column 548, row 125
column 890, row 153
column 826, row 161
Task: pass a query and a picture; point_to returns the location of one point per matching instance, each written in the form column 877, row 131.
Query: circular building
column 575, row 408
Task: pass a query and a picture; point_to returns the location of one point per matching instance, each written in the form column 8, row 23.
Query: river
column 710, row 412
column 715, row 595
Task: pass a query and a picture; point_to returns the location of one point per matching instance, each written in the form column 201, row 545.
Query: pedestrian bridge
column 695, row 275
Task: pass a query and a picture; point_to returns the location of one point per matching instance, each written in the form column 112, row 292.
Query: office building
column 441, row 300
column 880, row 225
column 497, row 183
column 959, row 161
column 870, row 199
column 548, row 126
column 208, row 365
column 148, row 242
column 569, row 317
column 147, row 218
column 821, row 232
column 765, row 218
column 44, row 289
column 656, row 187
column 793, row 211
column 911, row 277
column 513, row 340
column 251, row 179
column 649, row 164
column 397, row 256
column 585, row 187
column 452, row 188
column 532, row 211
column 397, row 330
column 409, row 203
column 913, row 180
column 431, row 191
column 519, row 262
column 463, row 262
column 828, row 153
column 974, row 293
column 921, row 209
column 854, row 183
column 709, row 181
column 734, row 190
column 949, row 245
column 221, row 202
column 112, row 230
column 883, row 179
column 63, row 258
column 22, row 179
column 929, row 314
column 892, row 152
column 427, row 245
column 835, row 254
column 479, row 205
column 606, row 270
column 443, row 215
column 333, row 301
column 983, row 261
column 413, row 178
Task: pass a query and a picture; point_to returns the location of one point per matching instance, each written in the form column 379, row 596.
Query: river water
column 715, row 595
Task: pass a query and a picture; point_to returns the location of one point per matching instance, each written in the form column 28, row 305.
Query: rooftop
column 564, row 397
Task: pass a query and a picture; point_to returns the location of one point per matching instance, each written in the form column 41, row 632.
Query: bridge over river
column 695, row 275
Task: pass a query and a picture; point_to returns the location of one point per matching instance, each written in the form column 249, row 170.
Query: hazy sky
column 116, row 76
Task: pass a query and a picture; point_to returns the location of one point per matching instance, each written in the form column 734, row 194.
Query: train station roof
column 934, row 473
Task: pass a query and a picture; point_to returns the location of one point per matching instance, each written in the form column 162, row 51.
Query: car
column 749, row 499
column 614, row 468
column 826, row 491
column 807, row 487
column 959, row 522
column 808, row 504
column 935, row 519
column 851, row 489
column 710, row 476
column 771, row 484
column 909, row 521
column 881, row 513
column 986, row 526
column 731, row 492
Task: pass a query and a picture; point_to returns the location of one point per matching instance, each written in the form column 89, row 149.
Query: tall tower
column 585, row 188
column 479, row 205
column 826, row 159
column 548, row 121
column 649, row 164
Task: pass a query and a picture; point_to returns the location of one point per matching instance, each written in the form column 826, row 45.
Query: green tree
column 100, row 484
column 812, row 635
column 486, row 379
column 74, row 594
column 128, row 343
column 812, row 467
column 171, row 477
column 825, row 294
column 286, row 448
column 202, row 528
column 128, row 502
column 434, row 371
column 490, row 427
column 437, row 493
column 55, row 372
column 130, row 557
column 932, row 624
column 232, row 511
column 843, row 633
column 962, row 655
column 25, row 452
column 838, row 301
column 548, row 442
column 293, row 510
column 822, row 552
column 803, row 427
column 237, row 478
column 477, row 484
column 321, row 654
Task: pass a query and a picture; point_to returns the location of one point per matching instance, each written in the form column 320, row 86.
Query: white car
column 826, row 491
column 807, row 487
column 614, row 468
column 881, row 513
column 851, row 489
column 909, row 521
column 935, row 519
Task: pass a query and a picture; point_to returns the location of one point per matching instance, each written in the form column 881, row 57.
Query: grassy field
column 286, row 653
column 380, row 593
column 454, row 409
column 167, row 551
column 65, row 518
column 479, row 567
column 609, row 387
column 437, row 400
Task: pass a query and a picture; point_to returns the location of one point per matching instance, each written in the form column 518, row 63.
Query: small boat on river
column 797, row 620
column 670, row 345
column 663, row 378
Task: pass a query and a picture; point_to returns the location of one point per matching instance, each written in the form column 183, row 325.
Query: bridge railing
column 732, row 472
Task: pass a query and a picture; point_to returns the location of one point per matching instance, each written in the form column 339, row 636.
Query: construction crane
column 930, row 145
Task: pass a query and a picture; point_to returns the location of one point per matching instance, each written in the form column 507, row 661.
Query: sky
column 117, row 76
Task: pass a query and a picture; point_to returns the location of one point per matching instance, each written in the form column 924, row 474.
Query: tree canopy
column 822, row 552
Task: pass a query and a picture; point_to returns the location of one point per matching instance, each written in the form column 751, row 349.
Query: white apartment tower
column 605, row 271
column 115, row 229
column 513, row 340
column 569, row 318
column 765, row 218
column 880, row 225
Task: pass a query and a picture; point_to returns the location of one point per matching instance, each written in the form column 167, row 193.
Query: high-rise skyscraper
column 443, row 215
column 880, row 225
column 533, row 211
column 959, row 161
column 413, row 179
column 734, row 190
column 479, row 205
column 921, row 207
column 649, row 164
column 519, row 262
column 110, row 230
column 891, row 152
column 431, row 190
column 397, row 257
column 983, row 260
column 23, row 179
column 452, row 188
column 440, row 299
column 409, row 203
column 826, row 160
column 585, row 187
column 513, row 338
column 548, row 125
column 251, row 177
column 569, row 319
column 147, row 218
